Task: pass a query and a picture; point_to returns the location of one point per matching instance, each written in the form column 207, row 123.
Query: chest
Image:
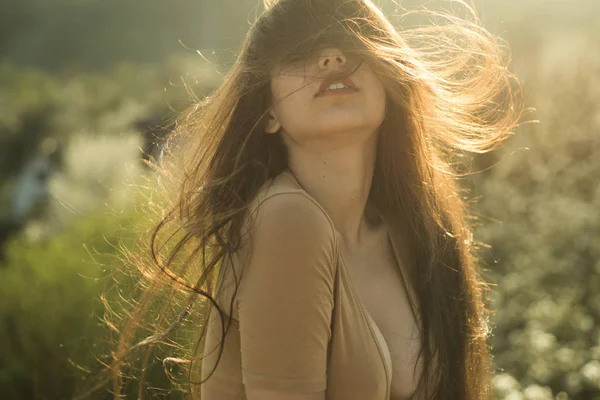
column 381, row 290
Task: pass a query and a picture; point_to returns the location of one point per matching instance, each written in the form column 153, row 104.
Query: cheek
column 375, row 93
column 277, row 90
column 289, row 100
column 377, row 99
column 287, row 86
column 383, row 99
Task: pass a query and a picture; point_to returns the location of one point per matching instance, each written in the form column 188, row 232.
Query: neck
column 340, row 181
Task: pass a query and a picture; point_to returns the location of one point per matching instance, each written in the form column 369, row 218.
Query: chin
column 347, row 131
column 347, row 125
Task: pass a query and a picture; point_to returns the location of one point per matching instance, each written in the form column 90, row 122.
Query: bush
column 49, row 305
column 541, row 211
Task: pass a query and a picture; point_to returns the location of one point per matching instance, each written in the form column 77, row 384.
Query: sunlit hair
column 449, row 93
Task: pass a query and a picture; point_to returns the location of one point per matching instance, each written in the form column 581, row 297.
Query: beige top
column 298, row 324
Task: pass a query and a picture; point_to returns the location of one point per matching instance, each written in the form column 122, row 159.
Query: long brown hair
column 449, row 92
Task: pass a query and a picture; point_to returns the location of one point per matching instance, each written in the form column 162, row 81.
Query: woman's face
column 305, row 113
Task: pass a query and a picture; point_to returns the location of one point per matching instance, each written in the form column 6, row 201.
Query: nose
column 331, row 58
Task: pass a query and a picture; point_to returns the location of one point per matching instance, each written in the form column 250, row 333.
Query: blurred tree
column 94, row 34
column 41, row 114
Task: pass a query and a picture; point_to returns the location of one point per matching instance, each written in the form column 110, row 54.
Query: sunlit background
column 85, row 84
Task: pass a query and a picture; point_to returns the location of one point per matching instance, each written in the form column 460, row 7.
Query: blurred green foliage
column 92, row 35
column 49, row 306
column 55, row 270
column 540, row 211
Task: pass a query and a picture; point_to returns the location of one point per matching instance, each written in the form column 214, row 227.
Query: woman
column 321, row 193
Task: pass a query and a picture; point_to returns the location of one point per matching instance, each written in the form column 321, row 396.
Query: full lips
column 328, row 82
column 336, row 92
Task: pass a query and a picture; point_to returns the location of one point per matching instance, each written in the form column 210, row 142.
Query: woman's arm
column 285, row 300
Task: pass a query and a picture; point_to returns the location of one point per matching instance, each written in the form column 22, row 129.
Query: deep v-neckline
column 373, row 327
column 381, row 343
column 376, row 333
